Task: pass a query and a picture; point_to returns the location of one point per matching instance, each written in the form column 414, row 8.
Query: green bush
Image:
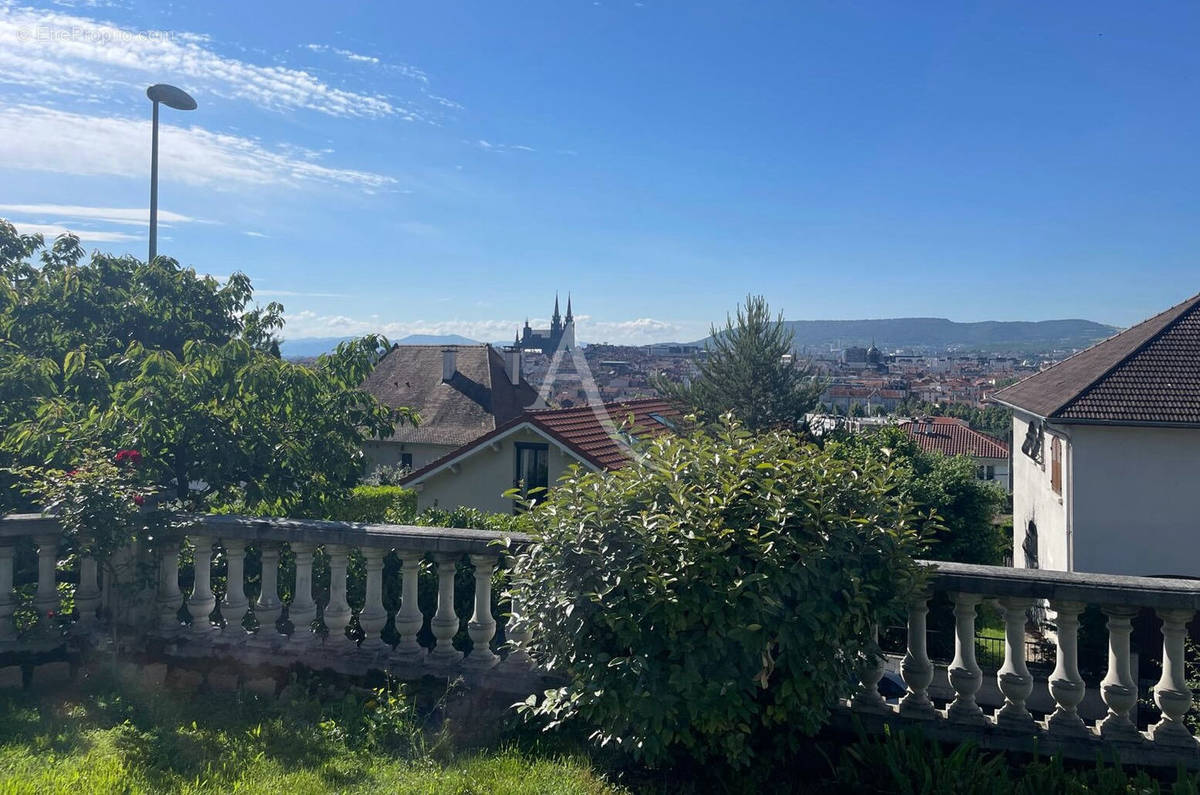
column 377, row 504
column 708, row 604
column 908, row 762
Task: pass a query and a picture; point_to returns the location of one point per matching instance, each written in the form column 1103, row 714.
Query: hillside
column 941, row 333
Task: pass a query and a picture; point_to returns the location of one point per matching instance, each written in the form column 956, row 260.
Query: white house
column 533, row 451
column 1105, row 479
column 459, row 392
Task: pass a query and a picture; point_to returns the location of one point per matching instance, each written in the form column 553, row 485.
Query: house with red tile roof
column 1109, row 451
column 952, row 436
column 532, row 451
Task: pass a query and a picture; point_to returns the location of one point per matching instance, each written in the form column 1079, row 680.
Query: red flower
column 133, row 457
column 139, row 500
column 72, row 473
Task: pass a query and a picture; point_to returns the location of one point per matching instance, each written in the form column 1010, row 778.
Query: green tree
column 118, row 353
column 749, row 372
column 710, row 602
column 946, row 485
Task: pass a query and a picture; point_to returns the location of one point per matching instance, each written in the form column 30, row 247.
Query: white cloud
column 255, row 234
column 297, row 293
column 54, row 230
column 131, row 216
column 640, row 331
column 75, row 54
column 43, row 139
column 489, row 146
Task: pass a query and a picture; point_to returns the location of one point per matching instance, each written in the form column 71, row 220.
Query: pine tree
column 750, row 373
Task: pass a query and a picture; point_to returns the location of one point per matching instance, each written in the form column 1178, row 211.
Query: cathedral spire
column 570, row 317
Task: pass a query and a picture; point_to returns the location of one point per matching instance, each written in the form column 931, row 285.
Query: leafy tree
column 712, row 601
column 114, row 352
column 857, row 410
column 947, row 485
column 746, row 374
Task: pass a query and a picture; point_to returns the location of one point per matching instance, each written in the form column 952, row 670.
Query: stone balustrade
column 1012, row 726
column 249, row 623
column 301, row 630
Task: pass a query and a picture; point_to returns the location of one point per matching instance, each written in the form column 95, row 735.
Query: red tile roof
column 952, row 436
column 1146, row 375
column 582, row 431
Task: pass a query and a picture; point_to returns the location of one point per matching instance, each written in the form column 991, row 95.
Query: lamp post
column 178, row 99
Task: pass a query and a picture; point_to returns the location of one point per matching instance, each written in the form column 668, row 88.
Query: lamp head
column 171, row 96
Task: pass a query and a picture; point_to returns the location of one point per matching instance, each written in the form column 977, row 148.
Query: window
column 532, row 475
column 1056, row 465
column 406, row 461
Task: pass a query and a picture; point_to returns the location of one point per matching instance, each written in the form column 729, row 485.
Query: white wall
column 1136, row 500
column 485, row 475
column 1033, row 498
column 387, row 453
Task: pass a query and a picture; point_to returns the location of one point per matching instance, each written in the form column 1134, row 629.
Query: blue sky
column 446, row 167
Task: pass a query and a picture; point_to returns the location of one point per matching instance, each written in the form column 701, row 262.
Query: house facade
column 1106, row 447
column 531, row 452
column 459, row 393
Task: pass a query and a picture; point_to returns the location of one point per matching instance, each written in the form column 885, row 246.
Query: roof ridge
column 1058, row 404
column 1191, row 305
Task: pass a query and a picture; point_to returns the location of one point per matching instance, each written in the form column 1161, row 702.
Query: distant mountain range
column 902, row 332
column 940, row 333
column 306, row 347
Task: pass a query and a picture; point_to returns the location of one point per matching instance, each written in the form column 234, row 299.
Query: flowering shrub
column 101, row 506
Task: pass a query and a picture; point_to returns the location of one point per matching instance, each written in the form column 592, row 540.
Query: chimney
column 512, row 363
column 449, row 365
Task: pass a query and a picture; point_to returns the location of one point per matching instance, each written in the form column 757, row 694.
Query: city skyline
column 441, row 170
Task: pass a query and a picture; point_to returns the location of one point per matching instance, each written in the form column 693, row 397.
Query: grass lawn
column 100, row 738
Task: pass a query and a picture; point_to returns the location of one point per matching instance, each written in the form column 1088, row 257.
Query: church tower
column 556, row 320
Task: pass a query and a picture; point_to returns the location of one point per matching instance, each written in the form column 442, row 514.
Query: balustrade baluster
column 868, row 697
column 409, row 618
column 965, row 674
column 482, row 626
column 8, row 600
column 916, row 667
column 337, row 612
column 1172, row 694
column 303, row 608
column 373, row 616
column 1066, row 685
column 1118, row 688
column 202, row 601
column 268, row 607
column 169, row 595
column 45, row 599
column 1013, row 677
column 235, row 605
column 87, row 593
column 445, row 621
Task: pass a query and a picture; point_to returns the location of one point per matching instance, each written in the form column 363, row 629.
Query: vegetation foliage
column 116, row 353
column 946, row 485
column 712, row 602
column 111, row 738
column 749, row 373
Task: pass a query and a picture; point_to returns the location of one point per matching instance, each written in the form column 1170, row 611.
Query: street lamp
column 178, row 99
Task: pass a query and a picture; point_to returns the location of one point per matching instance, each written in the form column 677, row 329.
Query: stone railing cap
column 1067, row 586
